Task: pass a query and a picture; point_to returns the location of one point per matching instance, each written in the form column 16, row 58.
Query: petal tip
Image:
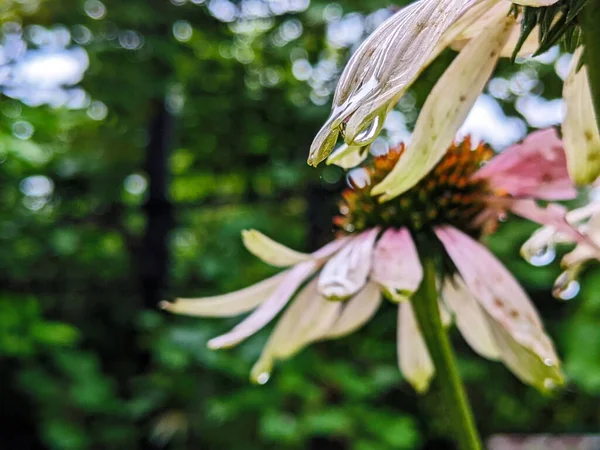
column 164, row 305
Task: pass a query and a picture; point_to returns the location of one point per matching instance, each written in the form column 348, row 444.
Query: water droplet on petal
column 549, row 362
column 565, row 287
column 358, row 178
column 370, row 133
column 549, row 384
column 263, row 377
column 539, row 255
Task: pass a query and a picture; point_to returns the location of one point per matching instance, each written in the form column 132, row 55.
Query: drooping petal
column 548, row 235
column 357, row 311
column 498, row 292
column 348, row 156
column 382, row 68
column 227, row 305
column 310, row 318
column 470, row 319
column 553, row 215
column 271, row 252
column 346, row 272
column 396, row 264
column 535, row 168
column 583, row 251
column 323, row 143
column 579, row 127
column 529, row 367
column 413, row 357
column 307, row 319
column 446, row 108
column 268, row 309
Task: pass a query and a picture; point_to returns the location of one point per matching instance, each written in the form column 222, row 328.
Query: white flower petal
column 348, row 156
column 584, row 252
column 413, row 357
column 346, row 272
column 529, row 367
column 357, row 311
column 271, row 252
column 396, row 264
column 396, row 58
column 227, row 305
column 469, row 317
column 497, row 291
column 580, row 130
column 309, row 318
column 268, row 309
column 382, row 68
column 323, row 143
column 446, row 108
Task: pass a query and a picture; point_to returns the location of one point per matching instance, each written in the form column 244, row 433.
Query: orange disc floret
column 449, row 194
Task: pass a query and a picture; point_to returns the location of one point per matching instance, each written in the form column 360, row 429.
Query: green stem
column 425, row 305
column 589, row 19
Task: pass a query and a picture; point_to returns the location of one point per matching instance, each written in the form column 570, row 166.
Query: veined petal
column 446, row 108
column 348, row 156
column 469, row 317
column 390, row 60
column 309, row 318
column 579, row 127
column 268, row 309
column 227, row 305
column 528, row 366
column 413, row 357
column 271, row 252
column 535, row 168
column 282, row 334
column 396, row 264
column 346, row 272
column 357, row 311
column 497, row 291
column 323, row 143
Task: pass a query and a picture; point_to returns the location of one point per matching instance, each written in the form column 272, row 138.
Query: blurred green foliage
column 87, row 363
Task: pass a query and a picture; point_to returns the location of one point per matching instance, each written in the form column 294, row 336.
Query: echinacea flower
column 394, row 55
column 337, row 289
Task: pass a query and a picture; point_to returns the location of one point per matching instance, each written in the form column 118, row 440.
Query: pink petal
column 346, row 272
column 498, row 292
column 535, row 168
column 396, row 264
column 553, row 215
column 268, row 309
